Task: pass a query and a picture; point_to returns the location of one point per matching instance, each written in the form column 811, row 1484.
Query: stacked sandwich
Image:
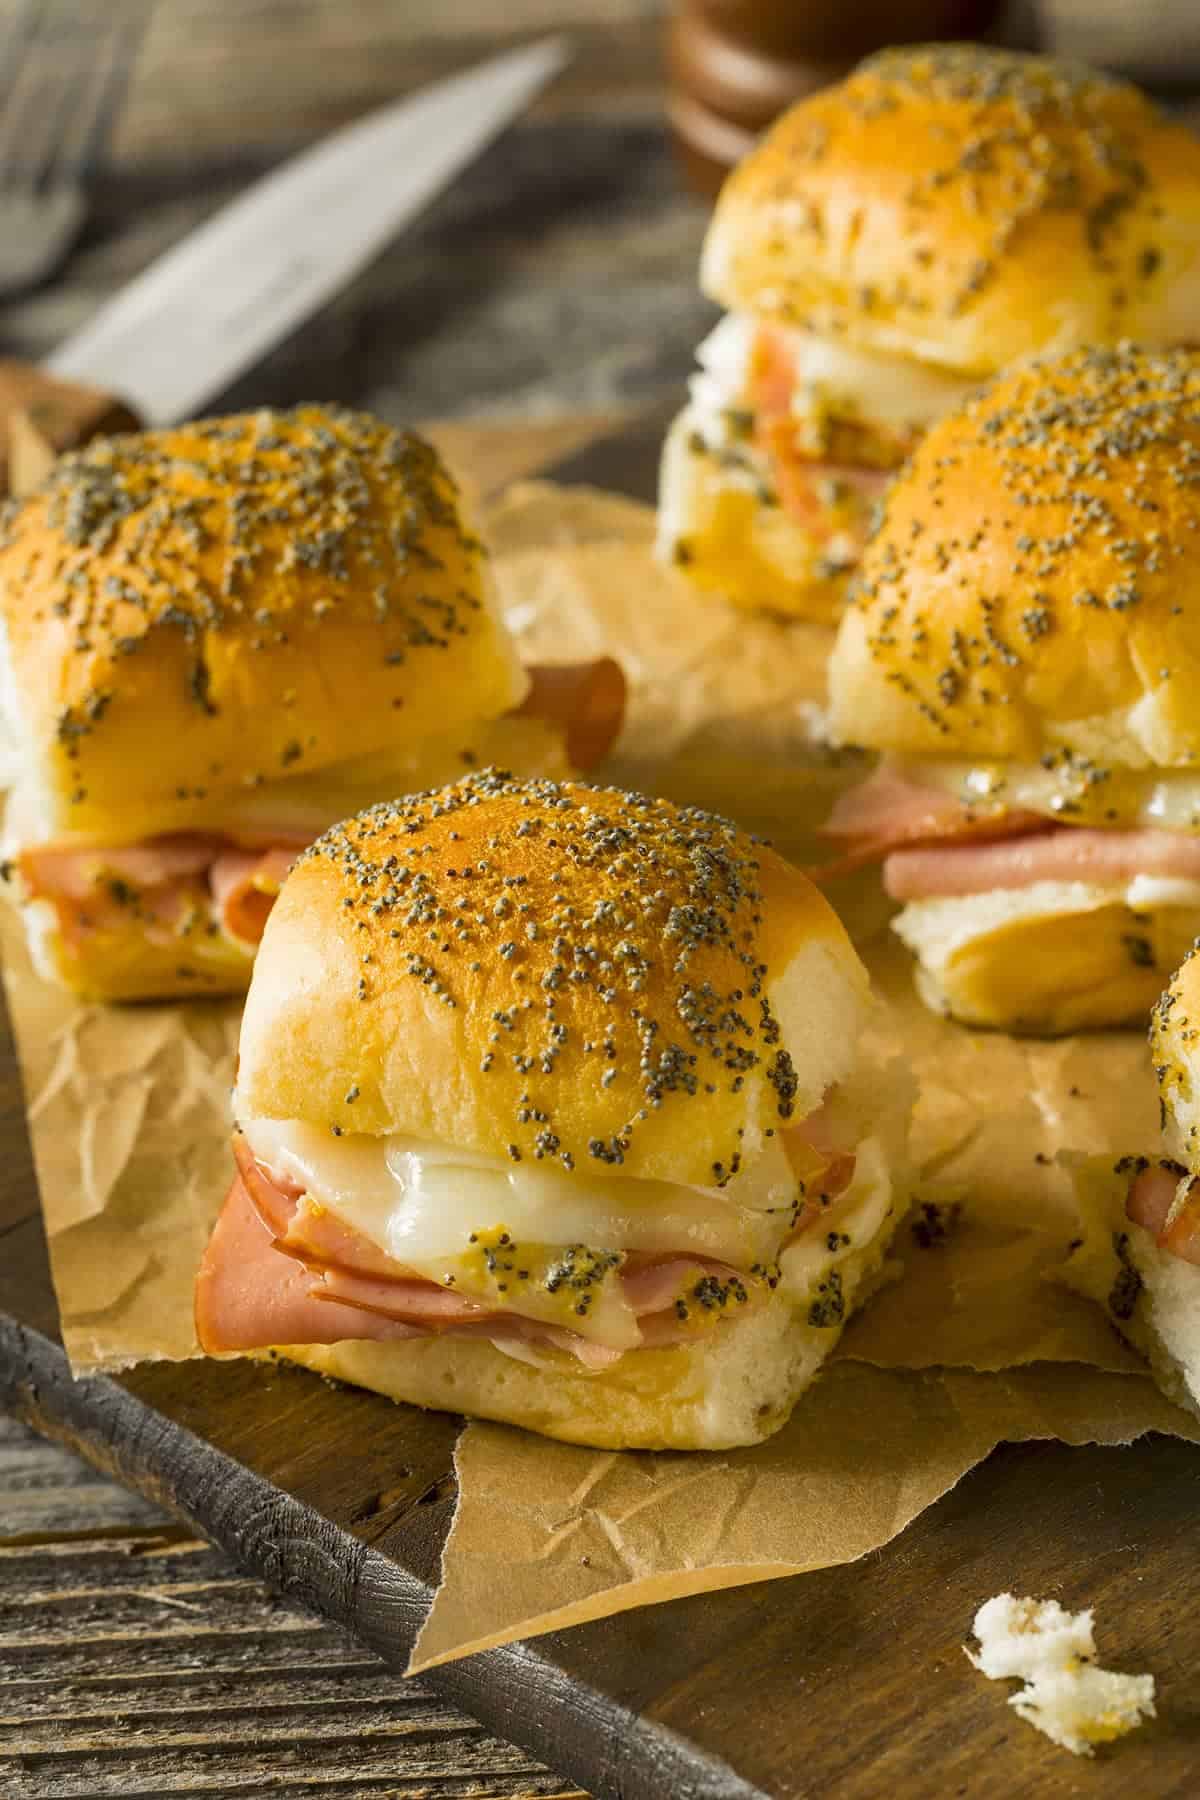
column 1023, row 646
column 551, row 1108
column 942, row 212
column 216, row 641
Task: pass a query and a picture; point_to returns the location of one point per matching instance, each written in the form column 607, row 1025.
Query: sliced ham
column 311, row 1234
column 165, row 878
column 865, row 446
column 887, row 811
column 653, row 1284
column 414, row 1299
column 1151, row 1194
column 1151, row 1203
column 1054, row 853
column 830, row 500
column 273, row 1195
column 69, row 873
column 315, row 1271
column 1181, row 1234
column 830, row 497
column 933, row 846
column 587, row 700
column 822, row 1165
column 244, row 884
column 248, row 1297
column 772, row 376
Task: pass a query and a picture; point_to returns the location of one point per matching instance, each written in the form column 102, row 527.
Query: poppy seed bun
column 1175, row 1053
column 1148, row 1293
column 728, row 539
column 118, row 960
column 540, row 969
column 226, row 603
column 1045, row 960
column 1148, row 1290
column 965, row 206
column 1035, row 579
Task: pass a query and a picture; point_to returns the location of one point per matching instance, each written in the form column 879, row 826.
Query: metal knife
column 210, row 308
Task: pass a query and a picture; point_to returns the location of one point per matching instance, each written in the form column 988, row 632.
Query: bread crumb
column 1052, row 1652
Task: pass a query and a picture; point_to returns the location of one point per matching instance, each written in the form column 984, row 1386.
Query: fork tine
column 55, row 79
column 20, row 23
column 24, row 27
column 74, row 164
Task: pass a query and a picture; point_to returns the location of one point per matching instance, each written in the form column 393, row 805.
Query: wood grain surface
column 557, row 277
column 134, row 1658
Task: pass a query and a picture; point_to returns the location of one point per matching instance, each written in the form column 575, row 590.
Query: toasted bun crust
column 1035, row 579
column 1175, row 1052
column 232, row 601
column 727, row 541
column 992, row 960
column 966, row 206
column 1151, row 1296
column 736, row 1386
column 545, row 969
column 119, row 962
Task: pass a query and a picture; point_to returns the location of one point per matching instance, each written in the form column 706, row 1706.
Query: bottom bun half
column 122, row 963
column 722, row 529
column 734, row 1387
column 1045, row 960
column 1151, row 1297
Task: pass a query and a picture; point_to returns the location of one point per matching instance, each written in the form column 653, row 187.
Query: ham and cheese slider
column 893, row 240
column 551, row 1109
column 215, row 641
column 1138, row 1253
column 1023, row 645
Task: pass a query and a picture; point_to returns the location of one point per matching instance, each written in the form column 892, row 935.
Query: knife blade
column 214, row 304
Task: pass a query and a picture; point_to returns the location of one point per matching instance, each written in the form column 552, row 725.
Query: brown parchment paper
column 129, row 1119
column 129, row 1114
column 548, row 1536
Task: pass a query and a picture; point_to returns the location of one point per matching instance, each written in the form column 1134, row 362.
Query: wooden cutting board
column 847, row 1683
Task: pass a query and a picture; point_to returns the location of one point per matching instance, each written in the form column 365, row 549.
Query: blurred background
column 559, row 273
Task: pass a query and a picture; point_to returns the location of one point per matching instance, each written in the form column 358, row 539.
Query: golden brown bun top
column 967, row 206
column 1035, row 578
column 550, row 971
column 229, row 602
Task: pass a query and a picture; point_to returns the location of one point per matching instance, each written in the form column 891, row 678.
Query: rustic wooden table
column 557, row 277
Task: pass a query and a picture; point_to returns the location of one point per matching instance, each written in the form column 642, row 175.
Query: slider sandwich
column 1023, row 646
column 1138, row 1254
column 893, row 240
column 551, row 1109
column 215, row 641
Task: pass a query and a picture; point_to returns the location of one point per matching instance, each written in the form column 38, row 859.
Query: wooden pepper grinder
column 734, row 65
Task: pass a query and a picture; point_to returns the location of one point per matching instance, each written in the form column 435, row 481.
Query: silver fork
column 62, row 78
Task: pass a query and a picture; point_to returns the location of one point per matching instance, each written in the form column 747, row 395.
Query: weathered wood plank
column 45, row 1491
column 135, row 1659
